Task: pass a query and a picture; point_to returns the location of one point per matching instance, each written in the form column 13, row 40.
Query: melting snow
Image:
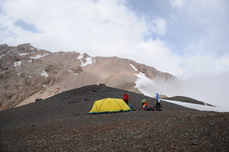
column 44, row 74
column 23, row 54
column 198, row 106
column 18, row 63
column 39, row 56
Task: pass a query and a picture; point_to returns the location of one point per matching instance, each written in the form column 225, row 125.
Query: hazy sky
column 187, row 38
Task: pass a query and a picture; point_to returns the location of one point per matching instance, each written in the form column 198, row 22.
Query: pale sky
column 187, row 38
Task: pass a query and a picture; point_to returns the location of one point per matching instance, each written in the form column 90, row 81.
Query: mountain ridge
column 28, row 73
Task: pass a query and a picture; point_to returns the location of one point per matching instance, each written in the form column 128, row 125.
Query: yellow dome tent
column 109, row 105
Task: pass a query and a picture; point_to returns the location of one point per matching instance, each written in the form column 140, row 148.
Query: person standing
column 157, row 97
column 158, row 104
column 126, row 98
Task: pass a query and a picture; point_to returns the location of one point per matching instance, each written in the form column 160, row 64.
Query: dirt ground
column 62, row 123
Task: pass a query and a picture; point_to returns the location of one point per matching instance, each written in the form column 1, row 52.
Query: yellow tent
column 109, row 105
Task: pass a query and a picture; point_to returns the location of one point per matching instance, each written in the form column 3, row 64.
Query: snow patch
column 80, row 57
column 89, row 60
column 23, row 54
column 2, row 56
column 198, row 106
column 30, row 61
column 73, row 72
column 134, row 67
column 44, row 74
column 143, row 83
column 39, row 56
column 18, row 63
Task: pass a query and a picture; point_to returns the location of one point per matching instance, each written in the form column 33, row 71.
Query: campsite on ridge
column 62, row 123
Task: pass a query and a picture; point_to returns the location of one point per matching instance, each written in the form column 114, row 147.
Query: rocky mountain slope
column 62, row 123
column 28, row 73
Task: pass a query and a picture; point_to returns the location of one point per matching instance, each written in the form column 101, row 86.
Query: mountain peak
column 28, row 73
